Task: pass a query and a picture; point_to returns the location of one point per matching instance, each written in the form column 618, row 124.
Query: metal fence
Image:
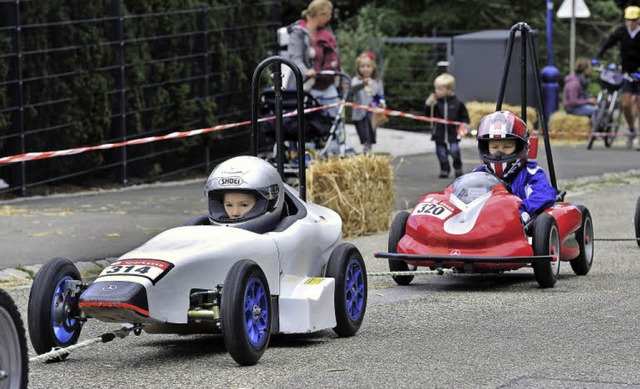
column 415, row 62
column 213, row 51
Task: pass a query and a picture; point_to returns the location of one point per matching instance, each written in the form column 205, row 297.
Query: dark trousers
column 443, row 156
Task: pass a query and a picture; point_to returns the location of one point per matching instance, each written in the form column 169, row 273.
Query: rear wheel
column 246, row 312
column 347, row 267
column 396, row 232
column 546, row 241
column 584, row 235
column 636, row 221
column 53, row 307
column 14, row 365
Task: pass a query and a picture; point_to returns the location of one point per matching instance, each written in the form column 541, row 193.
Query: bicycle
column 606, row 121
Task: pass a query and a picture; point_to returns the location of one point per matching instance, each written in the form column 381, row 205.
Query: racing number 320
column 432, row 209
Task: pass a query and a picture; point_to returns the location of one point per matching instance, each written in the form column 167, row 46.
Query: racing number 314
column 128, row 269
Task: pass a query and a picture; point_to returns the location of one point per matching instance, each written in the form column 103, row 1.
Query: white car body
column 200, row 257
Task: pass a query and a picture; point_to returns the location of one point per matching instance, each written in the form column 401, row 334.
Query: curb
column 14, row 278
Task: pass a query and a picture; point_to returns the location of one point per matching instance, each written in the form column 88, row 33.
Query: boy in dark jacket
column 443, row 104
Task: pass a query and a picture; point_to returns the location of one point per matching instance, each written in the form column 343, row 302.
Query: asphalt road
column 497, row 331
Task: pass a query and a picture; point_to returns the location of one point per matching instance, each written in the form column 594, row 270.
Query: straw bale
column 360, row 189
column 565, row 126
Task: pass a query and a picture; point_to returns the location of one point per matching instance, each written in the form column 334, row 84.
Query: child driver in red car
column 503, row 144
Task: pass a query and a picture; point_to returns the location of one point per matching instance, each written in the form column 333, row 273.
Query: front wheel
column 246, row 312
column 53, row 307
column 598, row 124
column 546, row 241
column 615, row 119
column 584, row 236
column 14, row 365
column 347, row 267
column 396, row 232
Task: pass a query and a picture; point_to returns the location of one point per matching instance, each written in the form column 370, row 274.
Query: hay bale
column 359, row 189
column 478, row 110
column 566, row 126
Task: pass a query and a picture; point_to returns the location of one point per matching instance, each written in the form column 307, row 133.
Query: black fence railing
column 89, row 72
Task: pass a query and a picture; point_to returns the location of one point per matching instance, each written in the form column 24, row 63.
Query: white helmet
column 246, row 175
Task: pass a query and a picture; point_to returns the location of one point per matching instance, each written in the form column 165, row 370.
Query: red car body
column 474, row 226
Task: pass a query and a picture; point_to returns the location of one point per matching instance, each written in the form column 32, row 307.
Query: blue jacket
column 532, row 187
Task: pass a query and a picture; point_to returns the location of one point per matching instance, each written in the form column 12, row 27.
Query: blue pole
column 549, row 33
column 550, row 74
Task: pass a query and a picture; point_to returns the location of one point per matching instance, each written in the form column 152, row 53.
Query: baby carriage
column 324, row 128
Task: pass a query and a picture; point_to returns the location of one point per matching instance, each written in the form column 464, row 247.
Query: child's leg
column 443, row 157
column 454, row 150
column 361, row 129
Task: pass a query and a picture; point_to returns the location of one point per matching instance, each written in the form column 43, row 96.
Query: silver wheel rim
column 10, row 352
column 554, row 249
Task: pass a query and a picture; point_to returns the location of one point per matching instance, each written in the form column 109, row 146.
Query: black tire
column 615, row 119
column 347, row 267
column 546, row 241
column 598, row 121
column 246, row 286
column 14, row 364
column 396, row 232
column 636, row 221
column 584, row 236
column 198, row 220
column 52, row 311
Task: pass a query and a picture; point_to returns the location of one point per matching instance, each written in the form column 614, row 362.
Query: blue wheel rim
column 59, row 331
column 354, row 289
column 256, row 312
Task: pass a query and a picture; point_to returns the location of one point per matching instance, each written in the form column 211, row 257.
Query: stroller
column 324, row 129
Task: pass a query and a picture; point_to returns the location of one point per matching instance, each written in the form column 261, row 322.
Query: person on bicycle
column 628, row 37
column 575, row 99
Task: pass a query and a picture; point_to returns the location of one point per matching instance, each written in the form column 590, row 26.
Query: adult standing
column 313, row 47
column 628, row 37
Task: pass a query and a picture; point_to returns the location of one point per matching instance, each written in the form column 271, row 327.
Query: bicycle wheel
column 598, row 121
column 613, row 124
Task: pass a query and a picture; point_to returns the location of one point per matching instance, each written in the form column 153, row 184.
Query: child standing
column 443, row 104
column 367, row 90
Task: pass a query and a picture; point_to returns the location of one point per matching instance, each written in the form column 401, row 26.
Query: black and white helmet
column 251, row 175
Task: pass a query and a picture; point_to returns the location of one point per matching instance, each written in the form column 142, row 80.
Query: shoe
column 459, row 172
column 443, row 174
column 632, row 136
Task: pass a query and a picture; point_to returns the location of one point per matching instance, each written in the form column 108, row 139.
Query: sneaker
column 632, row 136
column 459, row 172
column 443, row 174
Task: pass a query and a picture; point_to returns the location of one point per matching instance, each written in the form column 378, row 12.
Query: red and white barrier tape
column 174, row 135
column 183, row 134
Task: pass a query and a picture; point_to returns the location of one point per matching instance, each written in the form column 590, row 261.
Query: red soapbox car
column 473, row 226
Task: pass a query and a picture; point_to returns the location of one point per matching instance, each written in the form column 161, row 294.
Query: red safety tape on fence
column 183, row 134
column 174, row 135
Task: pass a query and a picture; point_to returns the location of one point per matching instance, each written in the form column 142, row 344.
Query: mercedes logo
column 455, row 252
